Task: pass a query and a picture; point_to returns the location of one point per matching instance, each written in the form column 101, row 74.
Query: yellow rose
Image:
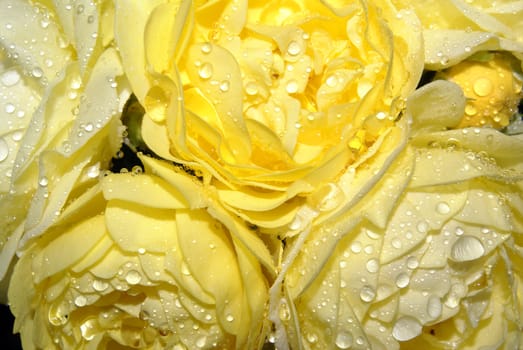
column 455, row 29
column 59, row 111
column 492, row 87
column 272, row 103
column 142, row 261
column 431, row 258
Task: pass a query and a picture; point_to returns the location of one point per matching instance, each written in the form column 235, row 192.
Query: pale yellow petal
column 130, row 21
column 221, row 82
column 187, row 186
column 44, row 58
column 166, row 33
column 438, row 105
column 134, row 227
column 51, row 259
column 210, row 258
column 150, row 191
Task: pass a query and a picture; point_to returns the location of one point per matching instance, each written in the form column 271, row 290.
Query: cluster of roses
column 326, row 174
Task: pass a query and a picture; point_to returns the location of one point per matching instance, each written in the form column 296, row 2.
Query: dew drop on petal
column 332, row 81
column 156, row 103
column 467, row 248
column 422, row 227
column 402, row 280
column 200, row 342
column 251, row 89
column 9, row 108
column 88, row 329
column 37, row 72
column 443, row 208
column 57, row 316
column 17, row 135
column 470, row 110
column 373, row 265
column 4, row 150
column 229, row 318
column 284, row 311
column 133, row 277
column 100, row 286
column 396, row 243
column 434, row 307
column 10, row 78
column 367, row 294
column 43, row 181
column 483, row 87
column 206, row 70
column 93, row 171
column 412, row 262
column 206, row 48
column 293, row 48
column 225, row 85
column 292, row 86
column 80, row 301
column 406, row 328
column 311, row 338
column 344, row 340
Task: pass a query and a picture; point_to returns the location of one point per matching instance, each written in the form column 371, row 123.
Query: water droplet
column 311, row 338
column 57, row 316
column 412, row 262
column 251, row 89
column 156, row 102
column 229, row 318
column 483, row 87
column 206, row 48
column 467, row 248
column 93, row 171
column 406, row 328
column 367, row 294
column 206, row 70
column 225, row 86
column 4, row 150
column 200, row 342
column 344, row 340
column 373, row 265
column 434, row 307
column 37, row 72
column 80, row 301
column 9, row 108
column 284, row 311
column 293, row 48
column 43, row 181
column 184, row 269
column 422, row 227
column 133, row 277
column 89, row 127
column 443, row 208
column 17, row 136
column 100, row 286
column 327, row 197
column 10, row 78
column 396, row 243
column 381, row 115
column 332, row 81
column 356, row 247
column 75, row 83
column 470, row 109
column 88, row 329
column 292, row 86
column 402, row 280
